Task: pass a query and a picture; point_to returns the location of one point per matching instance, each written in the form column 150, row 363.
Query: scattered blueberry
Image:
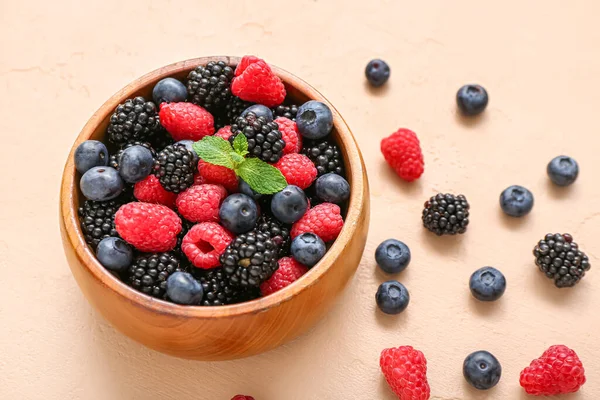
column 101, row 184
column 563, row 170
column 169, row 90
column 487, row 284
column 482, row 370
column 472, row 99
column 392, row 256
column 332, row 188
column 188, row 145
column 377, row 72
column 314, row 120
column 114, row 253
column 308, row 249
column 182, row 288
column 260, row 111
column 247, row 190
column 516, row 201
column 89, row 154
column 392, row 297
column 289, row 205
column 135, row 164
column 238, row 213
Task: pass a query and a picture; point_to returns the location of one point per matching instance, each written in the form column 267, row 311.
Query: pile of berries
column 166, row 214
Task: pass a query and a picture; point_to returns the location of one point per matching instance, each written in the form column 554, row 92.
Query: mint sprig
column 260, row 176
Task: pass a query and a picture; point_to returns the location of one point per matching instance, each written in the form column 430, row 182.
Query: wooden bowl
column 225, row 332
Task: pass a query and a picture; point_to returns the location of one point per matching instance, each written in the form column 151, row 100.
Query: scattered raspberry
column 218, row 175
column 402, row 151
column 324, row 220
column 297, row 169
column 405, row 370
column 254, row 81
column 224, row 132
column 242, row 397
column 204, row 243
column 290, row 135
column 289, row 271
column 186, row 121
column 151, row 191
column 557, row 371
column 148, row 227
column 200, row 203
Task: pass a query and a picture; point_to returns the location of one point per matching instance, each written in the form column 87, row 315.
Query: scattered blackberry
column 325, row 155
column 250, row 259
column 234, row 107
column 208, row 86
column 98, row 220
column 446, row 214
column 264, row 138
column 559, row 257
column 288, row 112
column 136, row 119
column 311, row 195
column 174, row 167
column 114, row 159
column 279, row 233
column 161, row 139
column 149, row 273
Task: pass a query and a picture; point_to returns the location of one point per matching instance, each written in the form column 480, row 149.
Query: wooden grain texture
column 217, row 333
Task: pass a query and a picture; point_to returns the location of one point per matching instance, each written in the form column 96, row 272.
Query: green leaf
column 240, row 144
column 262, row 177
column 214, row 150
column 237, row 158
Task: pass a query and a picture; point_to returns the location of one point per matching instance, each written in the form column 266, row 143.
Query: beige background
column 539, row 61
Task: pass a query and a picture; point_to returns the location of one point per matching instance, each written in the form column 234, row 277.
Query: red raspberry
column 290, row 135
column 151, row 191
column 405, row 370
column 402, row 151
column 557, row 371
column 148, row 227
column 242, row 397
column 186, row 121
column 254, row 81
column 200, row 203
column 297, row 169
column 224, row 132
column 218, row 175
column 204, row 243
column 324, row 220
column 199, row 180
column 289, row 271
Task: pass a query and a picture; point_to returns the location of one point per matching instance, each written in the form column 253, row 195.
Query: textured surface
column 541, row 71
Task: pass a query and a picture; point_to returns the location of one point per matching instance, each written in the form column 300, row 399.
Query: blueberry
column 247, row 190
column 308, row 249
column 563, row 170
column 260, row 111
column 101, row 184
column 392, row 256
column 188, row 145
column 114, row 253
column 135, row 164
column 332, row 188
column 472, row 99
column 314, row 120
column 182, row 288
column 238, row 213
column 392, row 297
column 482, row 370
column 516, row 201
column 89, row 154
column 487, row 284
column 289, row 205
column 169, row 90
column 377, row 72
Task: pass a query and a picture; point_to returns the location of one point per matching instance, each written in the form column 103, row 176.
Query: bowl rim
column 69, row 189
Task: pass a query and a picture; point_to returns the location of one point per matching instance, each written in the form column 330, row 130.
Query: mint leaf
column 240, row 144
column 237, row 158
column 214, row 150
column 262, row 177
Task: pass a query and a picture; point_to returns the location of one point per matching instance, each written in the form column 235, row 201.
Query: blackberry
column 560, row 259
column 174, row 167
column 161, row 139
column 277, row 231
column 234, row 107
column 446, row 214
column 185, row 227
column 114, row 159
column 209, row 86
column 325, row 155
column 97, row 220
column 136, row 119
column 264, row 138
column 288, row 112
column 218, row 291
column 311, row 195
column 250, row 259
column 149, row 273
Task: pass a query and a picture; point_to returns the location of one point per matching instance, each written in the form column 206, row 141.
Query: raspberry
column 199, row 180
column 148, row 227
column 224, row 132
column 405, row 370
column 557, row 371
column 289, row 271
column 204, row 244
column 218, row 175
column 290, row 135
column 324, row 220
column 186, row 121
column 297, row 169
column 242, row 397
column 402, row 151
column 201, row 203
column 151, row 191
column 254, row 81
